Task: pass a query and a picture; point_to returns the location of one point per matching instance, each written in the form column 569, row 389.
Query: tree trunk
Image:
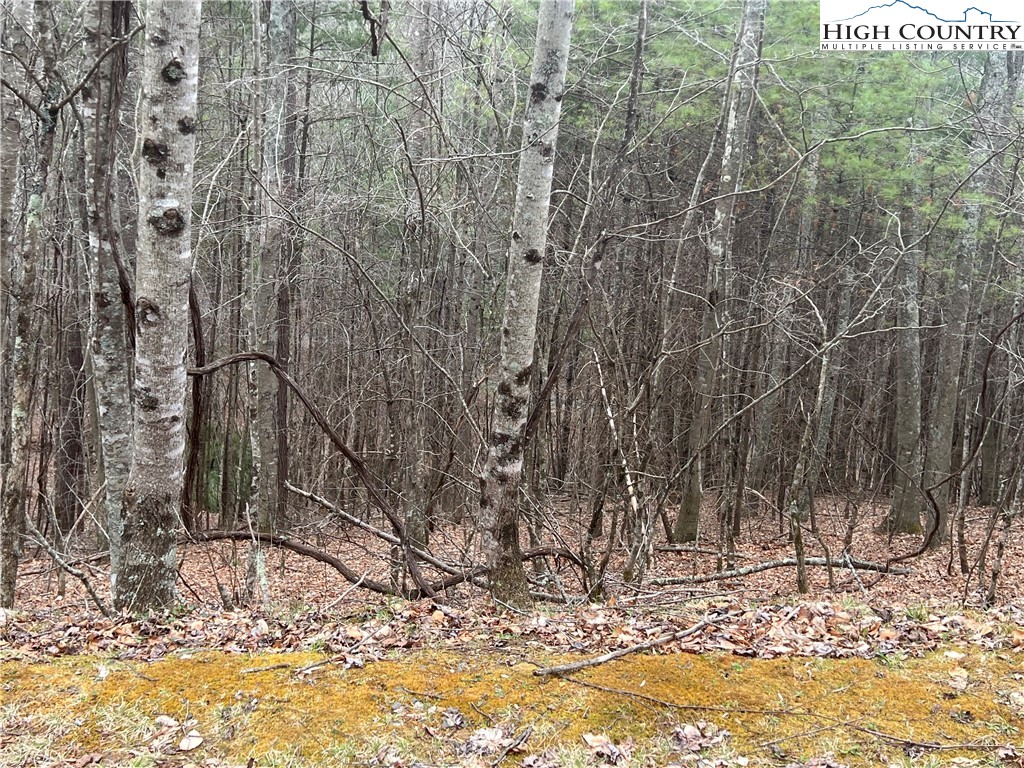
column 273, row 289
column 499, row 481
column 25, row 305
column 743, row 82
column 108, row 288
column 152, row 496
column 411, row 449
column 905, row 513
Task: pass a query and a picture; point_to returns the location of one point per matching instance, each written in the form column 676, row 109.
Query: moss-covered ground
column 428, row 706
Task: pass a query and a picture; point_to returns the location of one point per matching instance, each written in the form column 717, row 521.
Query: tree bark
column 502, row 471
column 276, row 268
column 905, row 514
column 37, row 154
column 152, row 497
column 108, row 288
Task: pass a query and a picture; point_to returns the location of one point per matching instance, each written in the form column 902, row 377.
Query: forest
column 553, row 303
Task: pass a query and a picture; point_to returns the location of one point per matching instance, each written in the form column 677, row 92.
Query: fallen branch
column 931, row 746
column 513, row 746
column 471, row 575
column 58, row 560
column 86, row 561
column 563, row 669
column 693, row 548
column 362, row 472
column 343, row 656
column 300, row 548
column 468, row 572
column 789, row 562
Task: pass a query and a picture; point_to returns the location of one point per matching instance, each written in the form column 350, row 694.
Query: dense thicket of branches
column 354, row 192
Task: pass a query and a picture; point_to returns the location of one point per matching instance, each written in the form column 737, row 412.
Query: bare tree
column 499, row 481
column 37, row 154
column 992, row 115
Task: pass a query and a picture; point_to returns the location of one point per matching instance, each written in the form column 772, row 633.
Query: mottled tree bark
column 499, row 481
column 152, row 496
column 37, row 153
column 108, row 345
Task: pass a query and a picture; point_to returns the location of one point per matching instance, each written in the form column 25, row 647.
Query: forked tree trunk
column 499, row 481
column 152, row 496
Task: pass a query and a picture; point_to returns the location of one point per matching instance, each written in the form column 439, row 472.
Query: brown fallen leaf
column 605, row 748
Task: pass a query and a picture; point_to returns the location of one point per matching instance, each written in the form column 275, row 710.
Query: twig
column 805, row 734
column 931, row 746
column 57, row 558
column 515, row 744
column 643, row 697
column 254, row 670
column 77, row 561
column 562, row 669
column 339, row 657
column 421, row 694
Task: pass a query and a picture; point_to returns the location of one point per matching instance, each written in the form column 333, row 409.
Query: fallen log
column 789, row 562
column 470, row 574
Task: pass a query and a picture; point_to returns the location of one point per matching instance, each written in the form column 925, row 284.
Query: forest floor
column 870, row 670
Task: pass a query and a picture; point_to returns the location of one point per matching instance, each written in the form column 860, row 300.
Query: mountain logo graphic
column 965, row 16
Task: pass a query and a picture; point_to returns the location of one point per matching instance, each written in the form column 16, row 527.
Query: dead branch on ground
column 563, row 669
column 788, row 562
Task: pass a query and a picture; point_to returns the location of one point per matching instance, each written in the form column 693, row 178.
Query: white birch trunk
column 720, row 258
column 152, row 497
column 499, row 481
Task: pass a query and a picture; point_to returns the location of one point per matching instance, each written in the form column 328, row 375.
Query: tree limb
column 789, row 562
